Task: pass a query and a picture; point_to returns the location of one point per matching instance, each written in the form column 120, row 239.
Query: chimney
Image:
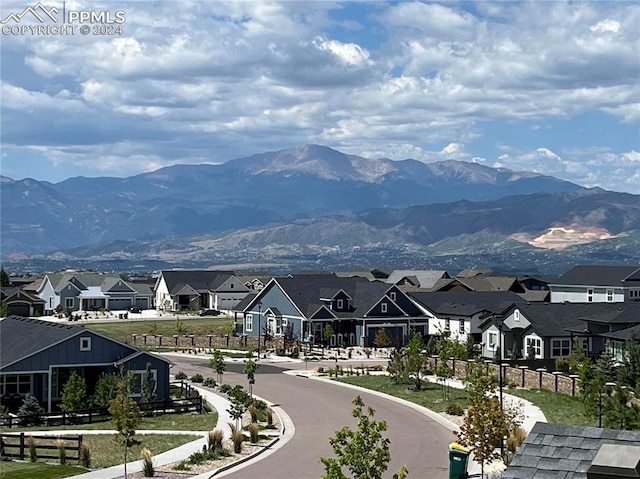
column 615, row 461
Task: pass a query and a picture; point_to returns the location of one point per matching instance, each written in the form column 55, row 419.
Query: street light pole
column 259, row 325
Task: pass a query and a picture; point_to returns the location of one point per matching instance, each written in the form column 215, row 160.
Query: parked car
column 135, row 309
column 209, row 312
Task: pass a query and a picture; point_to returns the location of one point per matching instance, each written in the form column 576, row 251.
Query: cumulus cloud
column 226, row 79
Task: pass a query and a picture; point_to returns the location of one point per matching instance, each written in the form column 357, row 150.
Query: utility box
column 458, row 461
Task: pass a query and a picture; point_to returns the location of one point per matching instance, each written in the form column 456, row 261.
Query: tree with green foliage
column 629, row 372
column 382, row 339
column 218, row 364
column 105, row 389
column 148, row 388
column 577, row 358
column 125, row 415
column 365, row 452
column 236, row 409
column 5, row 281
column 250, row 368
column 74, row 394
column 327, row 333
column 30, row 411
column 592, row 390
column 397, row 367
column 620, row 409
column 415, row 360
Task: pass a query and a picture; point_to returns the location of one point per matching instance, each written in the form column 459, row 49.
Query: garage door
column 19, row 309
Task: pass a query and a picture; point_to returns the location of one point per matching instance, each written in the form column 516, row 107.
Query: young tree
column 74, row 393
column 327, row 333
column 5, row 281
column 290, row 336
column 30, row 411
column 621, row 411
column 629, row 372
column 382, row 339
column 397, row 367
column 365, row 452
column 105, row 389
column 148, row 389
column 217, row 363
column 250, row 368
column 415, row 361
column 126, row 417
column 237, row 409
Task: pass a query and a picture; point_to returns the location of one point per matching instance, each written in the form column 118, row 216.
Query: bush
column 197, row 378
column 85, row 455
column 181, row 375
column 269, row 413
column 237, row 437
column 254, row 432
column 147, row 463
column 31, row 443
column 30, row 411
column 215, row 438
column 254, row 413
column 455, row 409
column 209, row 382
column 62, row 452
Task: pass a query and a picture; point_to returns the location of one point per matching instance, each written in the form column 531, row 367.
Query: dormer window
column 85, row 344
column 383, row 307
column 516, row 315
column 340, row 304
column 392, row 295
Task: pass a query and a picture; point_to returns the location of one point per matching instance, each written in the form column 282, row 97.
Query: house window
column 249, row 323
column 15, row 384
column 231, row 285
column 392, row 295
column 589, row 295
column 383, row 307
column 493, row 341
column 68, row 302
column 516, row 315
column 85, row 344
column 340, row 304
column 560, row 347
column 137, row 380
column 609, row 296
column 616, row 348
column 534, row 346
column 461, row 327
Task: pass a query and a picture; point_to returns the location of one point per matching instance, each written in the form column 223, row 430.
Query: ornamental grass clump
column 147, row 462
column 31, row 444
column 62, row 451
column 237, row 438
column 215, row 438
column 254, row 432
column 85, row 455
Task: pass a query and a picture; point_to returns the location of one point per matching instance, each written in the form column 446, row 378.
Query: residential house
column 198, row 289
column 37, row 357
column 20, row 302
column 545, row 331
column 562, row 451
column 91, row 292
column 371, row 274
column 461, row 313
column 597, row 284
column 418, row 278
column 354, row 307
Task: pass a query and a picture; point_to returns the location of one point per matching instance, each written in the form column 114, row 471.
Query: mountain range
column 309, row 201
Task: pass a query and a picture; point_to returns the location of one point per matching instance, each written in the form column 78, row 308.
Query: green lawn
column 28, row 470
column 170, row 422
column 122, row 331
column 431, row 395
column 558, row 408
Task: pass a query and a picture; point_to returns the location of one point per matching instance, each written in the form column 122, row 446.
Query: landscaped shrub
column 181, row 375
column 215, row 438
column 516, row 438
column 30, row 411
column 197, row 378
column 254, row 432
column 269, row 413
column 62, row 452
column 31, row 443
column 237, row 438
column 253, row 411
column 455, row 409
column 209, row 382
column 147, row 463
column 85, row 455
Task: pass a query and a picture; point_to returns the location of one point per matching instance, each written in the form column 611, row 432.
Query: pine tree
column 30, row 411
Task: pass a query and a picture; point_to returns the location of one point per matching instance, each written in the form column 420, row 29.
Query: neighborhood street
column 317, row 410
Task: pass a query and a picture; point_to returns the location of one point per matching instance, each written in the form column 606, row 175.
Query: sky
column 550, row 87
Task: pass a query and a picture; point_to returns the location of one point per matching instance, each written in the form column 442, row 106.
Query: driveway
column 318, row 409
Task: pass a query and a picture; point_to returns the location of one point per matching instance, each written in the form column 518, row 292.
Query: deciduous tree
column 218, row 364
column 74, row 393
column 416, row 360
column 250, row 368
column 125, row 416
column 365, row 452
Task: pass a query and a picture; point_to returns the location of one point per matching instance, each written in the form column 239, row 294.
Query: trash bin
column 458, row 459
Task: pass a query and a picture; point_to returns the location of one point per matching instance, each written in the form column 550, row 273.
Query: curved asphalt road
column 317, row 410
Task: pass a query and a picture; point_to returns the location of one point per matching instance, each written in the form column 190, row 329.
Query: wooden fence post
column 22, row 446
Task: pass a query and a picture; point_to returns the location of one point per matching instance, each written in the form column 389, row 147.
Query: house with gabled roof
column 355, row 308
column 20, row 302
column 37, row 357
column 419, row 278
column 82, row 291
column 198, row 289
column 461, row 313
column 597, row 284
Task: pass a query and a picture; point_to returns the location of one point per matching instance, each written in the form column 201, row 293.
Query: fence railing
column 16, row 445
column 191, row 401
